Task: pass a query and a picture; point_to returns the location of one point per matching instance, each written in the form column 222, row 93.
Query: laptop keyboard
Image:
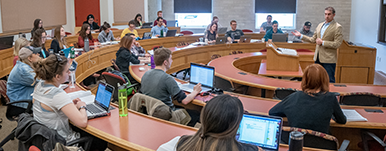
column 93, row 109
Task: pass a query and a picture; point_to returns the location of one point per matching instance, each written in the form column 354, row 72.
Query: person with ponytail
column 20, row 84
column 52, row 106
column 220, row 120
column 106, row 34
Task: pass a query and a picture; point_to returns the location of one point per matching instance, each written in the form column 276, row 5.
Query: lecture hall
column 192, row 75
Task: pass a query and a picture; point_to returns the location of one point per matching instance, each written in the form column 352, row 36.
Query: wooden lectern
column 280, row 62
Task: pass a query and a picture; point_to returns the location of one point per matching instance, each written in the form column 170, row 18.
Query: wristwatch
column 83, row 107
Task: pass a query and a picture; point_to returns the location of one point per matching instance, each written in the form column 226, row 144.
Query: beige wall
column 125, row 10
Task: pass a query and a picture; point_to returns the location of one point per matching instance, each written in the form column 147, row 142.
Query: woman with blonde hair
column 313, row 107
column 19, row 43
column 59, row 42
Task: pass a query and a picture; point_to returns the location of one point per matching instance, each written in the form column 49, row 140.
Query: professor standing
column 328, row 38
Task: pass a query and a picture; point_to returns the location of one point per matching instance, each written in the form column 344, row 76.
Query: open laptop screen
column 260, row 130
column 104, row 94
column 202, row 74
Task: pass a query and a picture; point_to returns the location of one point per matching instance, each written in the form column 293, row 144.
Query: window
column 193, row 20
column 382, row 24
column 286, row 20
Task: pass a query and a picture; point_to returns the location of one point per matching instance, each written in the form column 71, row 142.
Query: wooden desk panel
column 6, row 61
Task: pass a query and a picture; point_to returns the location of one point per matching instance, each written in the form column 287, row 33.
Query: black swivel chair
column 281, row 93
column 361, row 99
column 13, row 117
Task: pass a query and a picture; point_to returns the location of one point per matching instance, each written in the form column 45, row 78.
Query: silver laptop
column 100, row 106
column 281, row 37
column 221, row 40
column 171, row 33
column 199, row 74
column 222, row 30
column 260, row 130
column 147, row 25
column 245, row 39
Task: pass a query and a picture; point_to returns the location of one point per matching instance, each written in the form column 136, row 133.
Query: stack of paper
column 353, row 115
column 287, row 51
column 85, row 96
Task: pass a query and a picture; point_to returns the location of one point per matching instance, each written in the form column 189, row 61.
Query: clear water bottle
column 86, row 45
column 122, row 100
column 176, row 23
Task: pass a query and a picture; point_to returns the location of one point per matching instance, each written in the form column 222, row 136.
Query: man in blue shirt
column 274, row 30
column 156, row 30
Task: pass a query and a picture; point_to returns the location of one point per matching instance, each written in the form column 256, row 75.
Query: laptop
column 222, row 30
column 147, row 25
column 100, row 106
column 199, row 74
column 260, row 130
column 221, row 40
column 6, row 42
column 281, row 37
column 146, row 35
column 171, row 33
column 245, row 39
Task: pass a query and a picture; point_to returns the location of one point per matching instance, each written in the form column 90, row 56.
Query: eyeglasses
column 59, row 59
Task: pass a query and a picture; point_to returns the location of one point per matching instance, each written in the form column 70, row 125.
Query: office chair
column 247, row 31
column 14, row 117
column 186, row 32
column 3, row 92
column 361, row 99
column 315, row 139
column 281, row 93
column 371, row 142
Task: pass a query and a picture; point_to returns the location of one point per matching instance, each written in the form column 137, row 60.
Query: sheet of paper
column 353, row 116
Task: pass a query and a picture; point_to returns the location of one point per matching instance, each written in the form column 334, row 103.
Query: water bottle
column 176, row 23
column 51, row 51
column 296, row 141
column 72, row 53
column 86, row 45
column 72, row 79
column 152, row 62
column 122, row 100
column 162, row 33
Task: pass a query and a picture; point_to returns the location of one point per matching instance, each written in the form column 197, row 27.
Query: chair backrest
column 312, row 138
column 223, row 84
column 247, row 31
column 3, row 91
column 186, row 32
column 113, row 80
column 361, row 99
column 215, row 56
column 113, row 62
column 158, row 109
column 13, row 112
column 281, row 93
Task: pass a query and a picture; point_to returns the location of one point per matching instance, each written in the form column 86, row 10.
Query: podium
column 279, row 61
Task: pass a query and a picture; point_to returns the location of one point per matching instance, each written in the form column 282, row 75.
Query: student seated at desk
column 156, row 30
column 53, row 107
column 125, row 57
column 38, row 40
column 136, row 48
column 19, row 43
column 20, row 83
column 138, row 20
column 59, row 42
column 90, row 21
column 38, row 24
column 274, row 30
column 162, row 86
column 159, row 14
column 313, row 107
column 131, row 29
column 234, row 34
column 211, row 34
column 106, row 34
column 85, row 34
column 220, row 120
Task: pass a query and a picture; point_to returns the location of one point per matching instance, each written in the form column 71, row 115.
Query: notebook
column 260, row 130
column 101, row 104
column 199, row 74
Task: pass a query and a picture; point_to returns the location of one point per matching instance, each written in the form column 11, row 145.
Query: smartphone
column 374, row 110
